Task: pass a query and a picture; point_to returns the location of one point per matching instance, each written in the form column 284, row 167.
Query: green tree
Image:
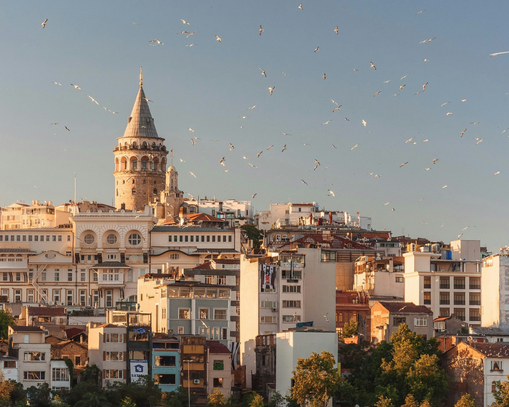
column 257, row 401
column 350, row 329
column 316, row 379
column 58, row 402
column 127, row 402
column 177, row 398
column 427, row 380
column 6, row 320
column 466, row 401
column 93, row 400
column 277, row 400
column 410, row 401
column 216, row 399
column 384, row 402
column 253, row 234
column 40, row 395
column 501, row 394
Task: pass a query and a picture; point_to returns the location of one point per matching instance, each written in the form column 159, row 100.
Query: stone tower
column 140, row 159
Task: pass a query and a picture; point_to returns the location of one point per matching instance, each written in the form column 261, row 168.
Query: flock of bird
column 337, row 107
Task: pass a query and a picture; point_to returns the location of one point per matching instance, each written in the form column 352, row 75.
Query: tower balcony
column 141, row 148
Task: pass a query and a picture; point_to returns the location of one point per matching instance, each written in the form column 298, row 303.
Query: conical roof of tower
column 141, row 123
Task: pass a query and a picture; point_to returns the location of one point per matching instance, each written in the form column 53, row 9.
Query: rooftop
column 405, row 307
column 46, row 311
column 217, row 347
column 491, row 350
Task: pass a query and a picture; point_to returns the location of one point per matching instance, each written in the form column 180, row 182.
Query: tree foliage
column 216, row 399
column 466, row 401
column 6, row 320
column 316, row 379
column 177, row 398
column 93, row 400
column 253, row 234
column 350, row 329
column 257, row 401
column 144, row 392
column 501, row 394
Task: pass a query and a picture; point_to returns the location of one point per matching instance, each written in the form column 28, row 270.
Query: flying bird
column 327, row 122
column 435, row 160
column 355, row 146
column 425, row 141
column 181, row 160
column 409, row 140
column 463, row 100
column 252, row 107
column 76, row 86
column 53, row 123
column 184, row 22
column 315, row 167
column 376, row 94
column 254, row 166
column 93, row 100
column 324, row 76
column 424, row 86
column 190, row 45
column 463, row 132
column 271, row 89
column 334, row 146
column 221, row 161
column 364, row 123
column 402, row 165
column 426, row 60
column 479, row 140
column 259, row 154
column 387, row 81
column 192, row 141
column 427, row 169
column 332, row 193
column 57, row 83
column 387, row 203
column 300, row 6
column 422, row 11
column 156, row 41
column 231, row 146
column 403, row 77
column 190, row 34
column 263, row 72
column 372, row 65
column 491, row 55
column 44, row 23
column 338, row 107
column 461, row 234
column 445, row 186
column 402, row 86
column 336, row 30
column 427, row 41
column 255, row 194
column 261, row 29
column 269, row 147
column 284, row 148
column 448, row 114
column 192, row 174
column 498, row 172
column 304, row 182
column 316, row 49
column 218, row 38
column 285, row 74
column 317, row 162
column 443, row 104
column 67, row 128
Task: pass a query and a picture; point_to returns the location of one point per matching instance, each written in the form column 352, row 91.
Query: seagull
column 424, row 86
column 57, row 83
column 409, row 140
column 347, row 119
column 67, row 128
column 448, row 114
column 403, row 77
column 427, row 169
column 364, row 122
column 463, row 132
column 231, row 146
column 316, row 49
column 426, row 60
column 324, row 76
column 184, row 22
column 218, row 38
column 376, row 94
column 221, row 161
column 393, row 209
column 284, row 148
column 445, row 186
column 425, row 141
column 44, row 23
column 254, row 195
column 435, row 160
column 190, row 45
column 135, row 23
column 183, row 32
column 300, row 7
column 181, row 160
column 377, row 176
column 53, row 123
column 461, row 234
column 387, row 81
column 387, row 203
column 226, row 170
column 263, row 72
column 252, row 107
column 443, row 104
column 285, row 74
column 336, row 30
column 254, row 166
column 491, row 55
column 372, row 65
column 498, row 172
column 334, row 146
column 157, row 41
column 474, row 122
column 317, row 162
column 259, row 154
column 427, row 41
column 269, row 147
column 463, row 100
column 271, row 89
column 332, row 193
column 190, row 34
column 286, row 134
column 76, row 86
column 355, row 146
column 422, row 11
column 402, row 165
column 192, row 174
column 402, row 86
column 93, row 100
column 304, row 182
column 315, row 167
column 479, row 140
column 337, row 108
column 327, row 122
column 261, row 29
column 148, row 100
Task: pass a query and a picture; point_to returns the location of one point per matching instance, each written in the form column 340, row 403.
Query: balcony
column 110, row 279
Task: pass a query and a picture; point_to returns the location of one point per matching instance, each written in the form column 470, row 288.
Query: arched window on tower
column 144, row 181
column 117, row 192
column 144, row 145
column 116, row 164
column 133, row 181
column 155, row 191
column 143, row 164
column 135, row 145
column 135, row 164
column 133, row 191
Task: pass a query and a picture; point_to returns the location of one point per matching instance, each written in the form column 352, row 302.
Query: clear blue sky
column 210, row 86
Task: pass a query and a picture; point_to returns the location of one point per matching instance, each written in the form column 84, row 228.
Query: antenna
column 74, row 188
column 171, row 156
column 141, row 76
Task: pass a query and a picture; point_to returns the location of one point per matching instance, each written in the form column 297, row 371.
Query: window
column 268, row 304
column 30, row 296
column 89, row 239
column 496, row 365
column 95, row 298
column 493, row 387
column 57, row 276
column 460, row 313
column 69, row 297
column 204, row 313
column 475, row 298
column 218, row 382
column 218, row 365
column 221, row 280
column 184, row 313
column 111, row 239
column 165, row 361
column 427, row 298
column 18, row 276
column 113, row 374
column 17, row 295
column 43, row 276
column 459, row 298
column 210, row 279
column 69, row 276
column 83, row 297
column 83, row 276
column 291, row 304
column 181, row 330
column 220, row 314
column 291, row 288
column 444, row 312
column 164, row 379
column 291, row 318
column 444, row 298
column 134, row 239
column 181, row 238
column 174, row 256
column 5, row 276
column 163, row 313
column 445, row 283
column 34, row 356
column 60, row 374
column 399, row 279
column 475, row 283
column 268, row 320
column 59, row 238
column 10, row 364
column 475, row 314
column 459, row 283
column 398, row 320
column 420, row 322
column 114, row 356
column 114, row 338
column 133, row 191
column 34, row 375
column 286, row 274
column 186, row 238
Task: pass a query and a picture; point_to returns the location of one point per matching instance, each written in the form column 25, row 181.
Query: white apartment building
column 20, row 215
column 495, row 302
column 223, row 209
column 448, row 282
column 281, row 290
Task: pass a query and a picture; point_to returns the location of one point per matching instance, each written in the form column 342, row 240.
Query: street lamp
column 188, row 382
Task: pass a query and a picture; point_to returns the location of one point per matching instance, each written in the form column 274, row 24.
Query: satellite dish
column 50, row 303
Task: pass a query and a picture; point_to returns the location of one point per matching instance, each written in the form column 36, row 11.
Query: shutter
column 125, row 376
column 104, row 355
column 125, row 338
column 125, row 355
column 104, row 337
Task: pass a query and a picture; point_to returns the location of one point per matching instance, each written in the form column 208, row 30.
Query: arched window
column 133, row 191
column 133, row 181
column 153, row 165
column 135, row 164
column 144, row 181
column 134, row 239
column 117, row 191
column 135, row 145
column 144, row 164
column 493, row 387
column 144, row 144
column 155, row 191
column 89, row 238
column 154, row 145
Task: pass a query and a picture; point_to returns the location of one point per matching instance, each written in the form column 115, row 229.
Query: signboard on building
column 138, row 368
column 268, row 277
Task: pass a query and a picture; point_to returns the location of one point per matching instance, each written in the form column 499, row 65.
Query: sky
column 210, row 86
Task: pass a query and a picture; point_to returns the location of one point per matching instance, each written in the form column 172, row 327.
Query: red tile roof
column 72, row 332
column 227, row 261
column 492, row 350
column 204, row 266
column 217, row 347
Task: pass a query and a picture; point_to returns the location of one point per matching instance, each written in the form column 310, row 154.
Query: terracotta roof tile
column 405, row 307
column 217, row 347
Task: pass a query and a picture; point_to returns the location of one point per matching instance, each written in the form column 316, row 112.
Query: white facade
column 60, row 376
column 9, row 367
column 495, row 274
column 304, row 296
column 226, row 207
column 292, row 345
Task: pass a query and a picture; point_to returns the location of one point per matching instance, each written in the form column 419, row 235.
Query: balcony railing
column 111, row 279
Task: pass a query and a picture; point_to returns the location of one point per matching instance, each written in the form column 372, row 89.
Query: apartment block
column 495, row 301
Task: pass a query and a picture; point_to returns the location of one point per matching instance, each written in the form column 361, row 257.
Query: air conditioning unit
column 196, row 381
column 274, row 309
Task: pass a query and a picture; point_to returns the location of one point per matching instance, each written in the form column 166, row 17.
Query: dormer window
column 496, row 366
